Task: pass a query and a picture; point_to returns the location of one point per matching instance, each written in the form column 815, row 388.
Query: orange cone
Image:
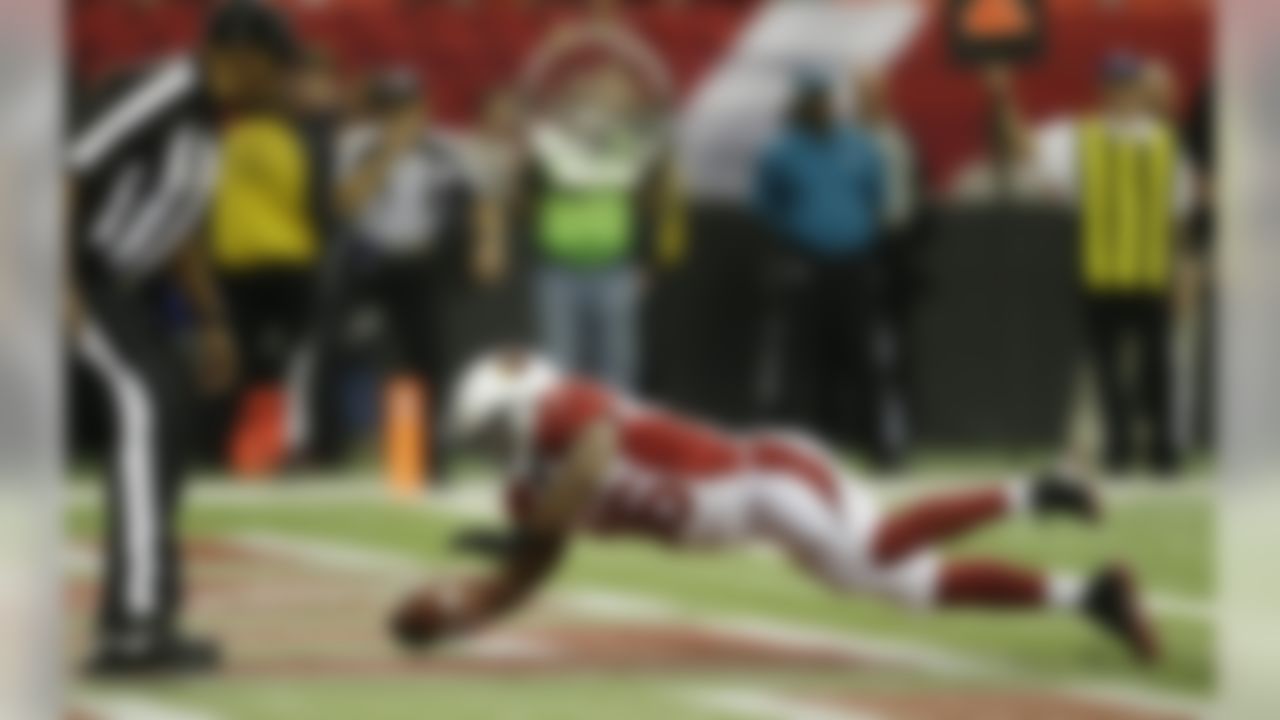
column 406, row 456
column 256, row 448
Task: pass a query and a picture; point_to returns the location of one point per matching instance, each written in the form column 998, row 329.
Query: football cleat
column 1111, row 601
column 1057, row 493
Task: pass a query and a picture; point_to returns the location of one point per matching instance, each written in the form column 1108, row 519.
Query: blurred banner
column 1250, row 494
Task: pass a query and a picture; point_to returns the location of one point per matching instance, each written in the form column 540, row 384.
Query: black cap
column 251, row 23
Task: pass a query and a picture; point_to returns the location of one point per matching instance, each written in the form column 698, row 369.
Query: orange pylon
column 256, row 448
column 406, row 455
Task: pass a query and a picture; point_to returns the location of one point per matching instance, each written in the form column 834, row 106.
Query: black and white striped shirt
column 144, row 161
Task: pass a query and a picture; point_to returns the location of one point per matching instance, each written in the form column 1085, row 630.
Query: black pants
column 405, row 291
column 268, row 310
column 1134, row 396
column 128, row 355
column 838, row 353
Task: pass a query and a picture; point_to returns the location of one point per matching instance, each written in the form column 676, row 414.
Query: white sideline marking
column 475, row 495
column 634, row 606
column 330, row 555
column 759, row 705
column 1178, row 607
column 131, row 707
column 607, row 604
column 476, row 501
column 489, row 647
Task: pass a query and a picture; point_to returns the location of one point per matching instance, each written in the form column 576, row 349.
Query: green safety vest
column 586, row 227
column 587, row 216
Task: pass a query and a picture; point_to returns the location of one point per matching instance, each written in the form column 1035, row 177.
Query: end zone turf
column 297, row 613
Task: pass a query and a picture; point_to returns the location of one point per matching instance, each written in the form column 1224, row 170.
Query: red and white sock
column 988, row 583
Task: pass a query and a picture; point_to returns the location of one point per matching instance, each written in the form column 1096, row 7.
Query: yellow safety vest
column 262, row 213
column 1127, row 212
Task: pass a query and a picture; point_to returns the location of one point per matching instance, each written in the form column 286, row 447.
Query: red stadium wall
column 462, row 50
column 465, row 51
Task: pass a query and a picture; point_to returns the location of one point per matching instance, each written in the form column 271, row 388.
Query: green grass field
column 1165, row 533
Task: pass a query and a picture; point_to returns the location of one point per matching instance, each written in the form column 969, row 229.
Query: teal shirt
column 823, row 193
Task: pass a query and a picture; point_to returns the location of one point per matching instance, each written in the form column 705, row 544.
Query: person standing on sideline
column 820, row 185
column 142, row 165
column 903, row 232
column 267, row 224
column 599, row 93
column 592, row 165
column 1123, row 168
column 403, row 197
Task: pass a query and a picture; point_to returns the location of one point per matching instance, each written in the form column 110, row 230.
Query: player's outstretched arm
column 454, row 606
column 556, row 502
column 529, row 554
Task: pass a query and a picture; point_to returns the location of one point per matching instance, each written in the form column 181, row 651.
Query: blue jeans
column 588, row 320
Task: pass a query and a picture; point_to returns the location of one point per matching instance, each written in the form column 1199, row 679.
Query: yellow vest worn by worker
column 262, row 213
column 1127, row 209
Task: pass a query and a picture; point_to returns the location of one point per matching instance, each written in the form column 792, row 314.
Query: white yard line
column 605, row 603
column 475, row 494
column 612, row 605
column 756, row 704
column 331, row 555
column 751, row 704
column 508, row 648
column 134, row 707
column 1177, row 607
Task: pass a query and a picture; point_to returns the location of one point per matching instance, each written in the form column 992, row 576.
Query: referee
column 142, row 163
